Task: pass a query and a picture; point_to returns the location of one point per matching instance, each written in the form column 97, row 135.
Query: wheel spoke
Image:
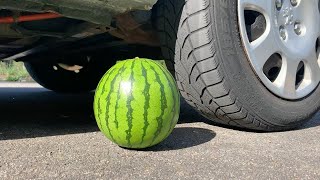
column 318, row 20
column 263, row 48
column 317, row 16
column 313, row 70
column 286, row 81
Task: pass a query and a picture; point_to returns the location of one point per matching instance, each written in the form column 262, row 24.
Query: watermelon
column 137, row 103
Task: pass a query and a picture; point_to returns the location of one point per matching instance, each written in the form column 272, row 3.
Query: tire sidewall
column 241, row 78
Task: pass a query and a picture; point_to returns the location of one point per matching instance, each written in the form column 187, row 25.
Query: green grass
column 15, row 71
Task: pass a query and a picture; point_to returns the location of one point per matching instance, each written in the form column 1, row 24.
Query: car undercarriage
column 31, row 28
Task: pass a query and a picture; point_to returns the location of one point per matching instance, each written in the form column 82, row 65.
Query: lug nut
column 297, row 28
column 294, row 2
column 283, row 33
column 278, row 4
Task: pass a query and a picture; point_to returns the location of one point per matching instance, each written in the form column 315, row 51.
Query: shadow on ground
column 37, row 112
column 184, row 137
column 314, row 122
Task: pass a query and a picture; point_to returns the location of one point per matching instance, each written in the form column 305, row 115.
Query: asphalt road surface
column 44, row 135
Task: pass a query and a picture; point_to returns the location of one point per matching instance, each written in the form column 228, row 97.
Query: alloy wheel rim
column 285, row 53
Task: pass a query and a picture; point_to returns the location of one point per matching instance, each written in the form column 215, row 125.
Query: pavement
column 44, row 135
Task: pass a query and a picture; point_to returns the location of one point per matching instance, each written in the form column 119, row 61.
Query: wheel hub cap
column 286, row 54
column 286, row 16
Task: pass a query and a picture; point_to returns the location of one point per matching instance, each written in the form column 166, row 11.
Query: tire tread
column 197, row 64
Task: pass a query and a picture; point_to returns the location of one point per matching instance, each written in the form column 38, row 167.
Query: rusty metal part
column 135, row 27
column 96, row 11
column 25, row 18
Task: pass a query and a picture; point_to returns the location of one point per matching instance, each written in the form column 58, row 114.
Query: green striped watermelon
column 137, row 103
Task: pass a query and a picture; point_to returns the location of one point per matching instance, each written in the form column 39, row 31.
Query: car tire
column 214, row 70
column 53, row 77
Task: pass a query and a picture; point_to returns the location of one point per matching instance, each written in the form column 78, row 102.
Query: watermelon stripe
column 130, row 110
column 162, row 71
column 163, row 104
column 117, row 105
column 103, row 89
column 108, row 99
column 147, row 102
column 171, row 85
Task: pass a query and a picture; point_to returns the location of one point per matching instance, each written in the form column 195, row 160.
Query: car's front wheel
column 245, row 63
